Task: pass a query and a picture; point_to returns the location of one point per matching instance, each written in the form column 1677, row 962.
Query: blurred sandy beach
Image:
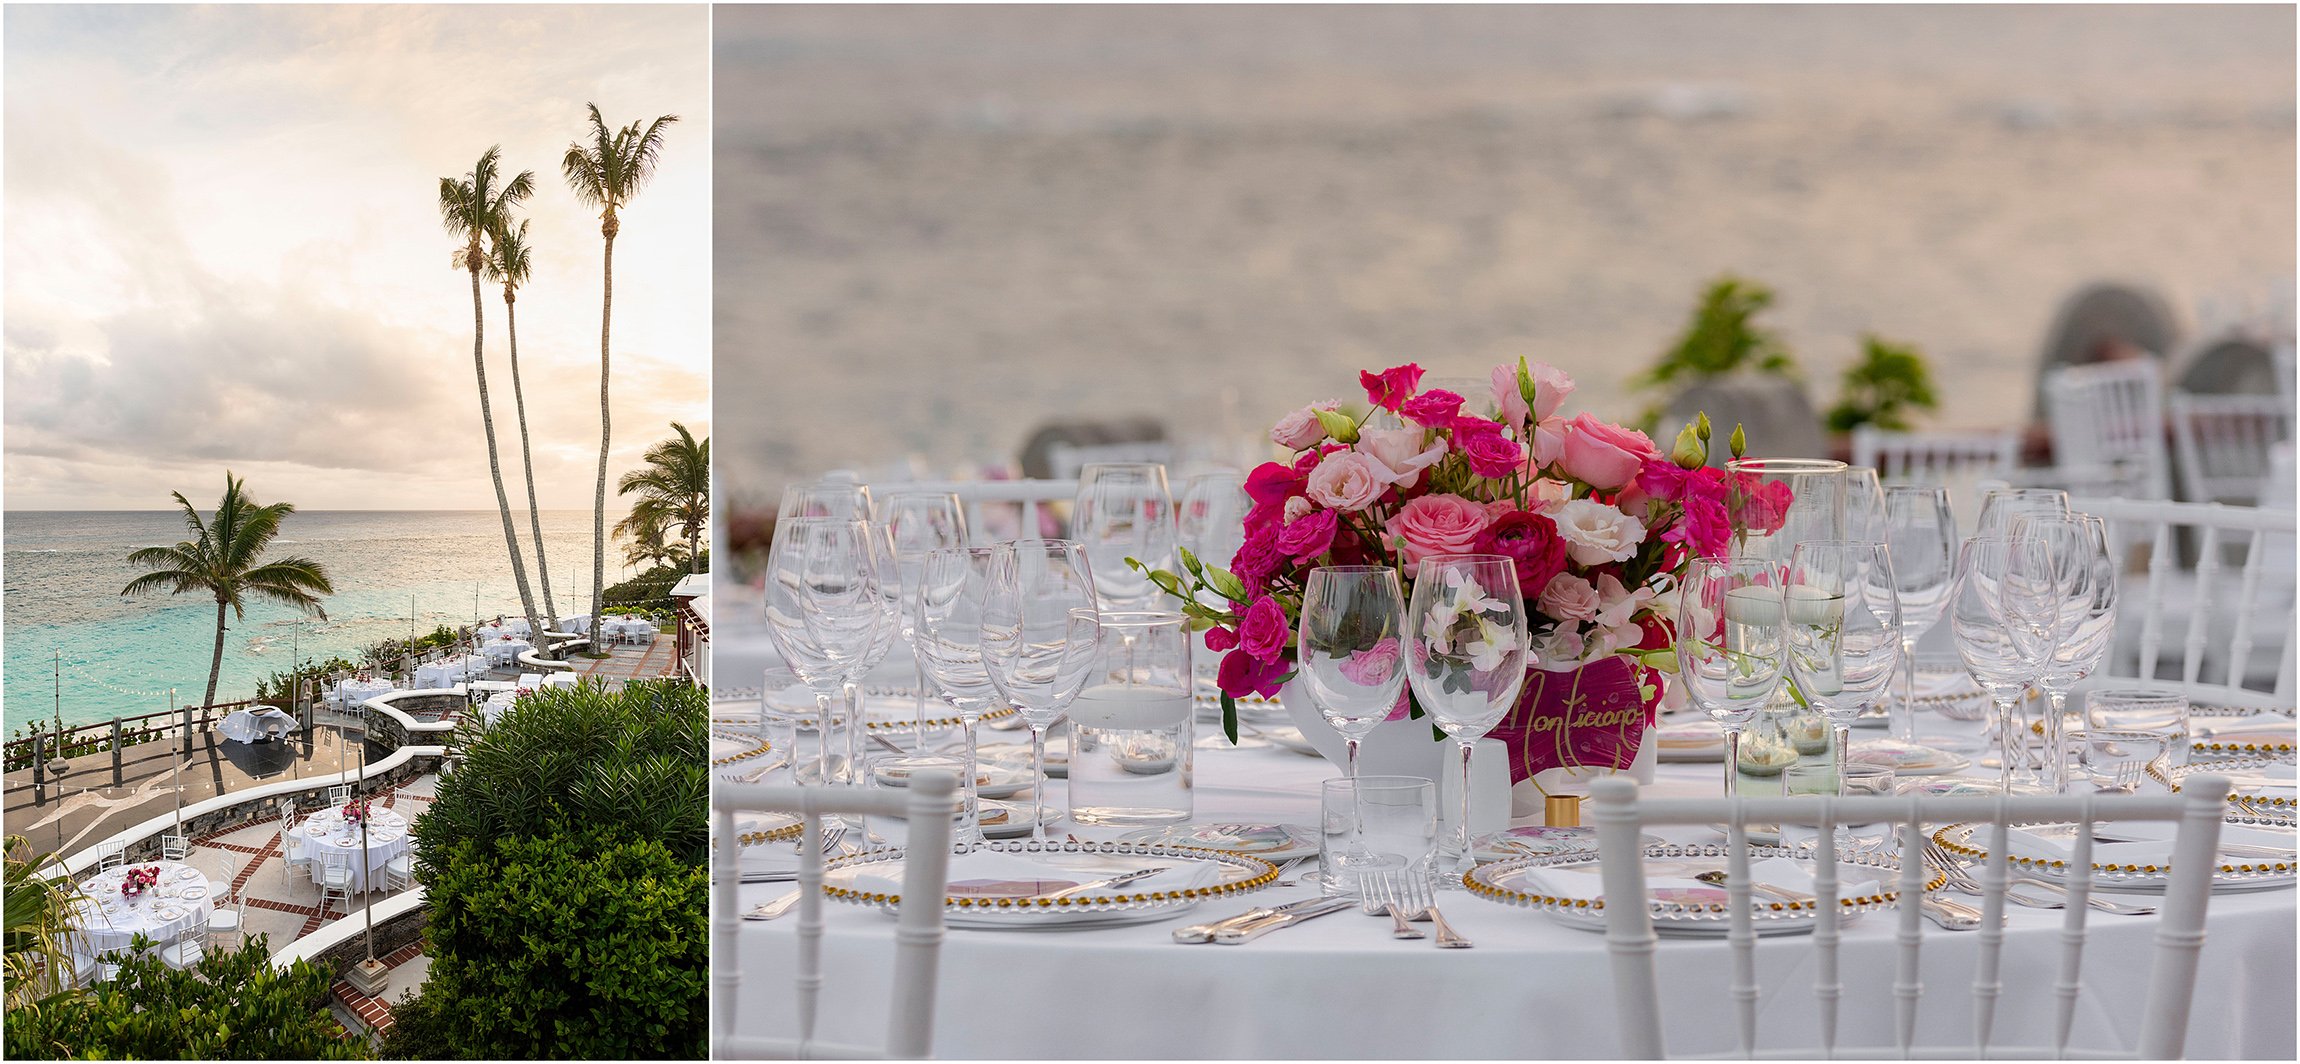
column 938, row 227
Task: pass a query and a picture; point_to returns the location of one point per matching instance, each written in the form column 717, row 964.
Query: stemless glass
column 1922, row 533
column 2000, row 610
column 1124, row 511
column 1781, row 502
column 807, row 552
column 1377, row 824
column 2138, row 709
column 1842, row 623
column 1465, row 651
column 948, row 644
column 1729, row 646
column 917, row 524
column 1130, row 754
column 1348, row 650
column 1039, row 632
column 2084, row 621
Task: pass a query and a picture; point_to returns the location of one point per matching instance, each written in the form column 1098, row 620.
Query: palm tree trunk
column 215, row 662
column 494, row 464
column 527, row 462
column 694, row 534
column 599, row 494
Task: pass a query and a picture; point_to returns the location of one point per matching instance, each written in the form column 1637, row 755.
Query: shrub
column 1720, row 337
column 1880, row 389
column 231, row 1005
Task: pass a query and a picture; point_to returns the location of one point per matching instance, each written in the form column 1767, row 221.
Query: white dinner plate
column 1270, row 842
column 990, row 781
column 1011, row 820
column 1004, row 902
column 1688, row 741
column 1569, row 888
column 1541, row 840
column 195, row 893
column 2118, row 867
column 1017, row 756
column 1909, row 759
column 1287, row 737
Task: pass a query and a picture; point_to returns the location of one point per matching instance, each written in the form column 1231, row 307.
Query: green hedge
column 232, row 1005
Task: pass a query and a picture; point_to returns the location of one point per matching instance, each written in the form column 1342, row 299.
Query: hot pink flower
column 1762, row 507
column 1436, row 524
column 1262, row 630
column 1243, row 674
column 1272, row 483
column 1530, row 540
column 1308, row 536
column 1604, row 456
column 1491, row 454
column 1435, row 408
column 1390, row 388
column 1219, row 639
column 1258, row 559
column 1568, row 598
column 1347, row 480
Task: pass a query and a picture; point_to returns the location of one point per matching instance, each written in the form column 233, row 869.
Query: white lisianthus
column 1493, row 646
column 1595, row 533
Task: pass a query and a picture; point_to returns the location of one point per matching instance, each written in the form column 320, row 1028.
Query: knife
column 1205, row 932
column 1103, row 884
column 1249, row 930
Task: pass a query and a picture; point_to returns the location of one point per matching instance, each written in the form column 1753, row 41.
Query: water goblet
column 1465, row 652
column 1123, row 511
column 812, row 566
column 916, row 524
column 1348, row 650
column 2084, row 617
column 948, row 644
column 2000, row 505
column 2001, row 612
column 1039, row 633
column 1729, row 646
column 1922, row 532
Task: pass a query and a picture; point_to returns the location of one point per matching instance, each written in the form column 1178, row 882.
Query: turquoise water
column 394, row 571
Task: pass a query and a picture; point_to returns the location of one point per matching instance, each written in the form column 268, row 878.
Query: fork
column 1380, row 891
column 1420, row 904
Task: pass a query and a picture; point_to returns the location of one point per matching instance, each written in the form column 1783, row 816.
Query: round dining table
column 354, row 691
column 178, row 905
column 1341, row 986
column 448, row 672
column 330, row 840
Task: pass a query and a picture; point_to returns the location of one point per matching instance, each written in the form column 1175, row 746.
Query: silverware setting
column 1305, row 909
column 1253, row 927
column 1104, row 884
column 1405, row 897
column 2021, row 890
column 771, row 909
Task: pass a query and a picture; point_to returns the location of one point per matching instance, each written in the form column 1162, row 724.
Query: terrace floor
column 650, row 661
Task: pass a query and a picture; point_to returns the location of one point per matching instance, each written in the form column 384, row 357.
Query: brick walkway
column 650, row 661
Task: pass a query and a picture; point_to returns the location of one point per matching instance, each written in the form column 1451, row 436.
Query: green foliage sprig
column 1721, row 337
column 1890, row 380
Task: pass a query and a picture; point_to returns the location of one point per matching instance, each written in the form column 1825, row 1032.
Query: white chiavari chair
column 2229, row 634
column 175, row 848
column 1621, row 817
column 1936, row 457
column 335, row 882
column 1065, row 460
column 2222, row 444
column 2111, row 414
column 928, row 805
column 979, row 498
column 111, row 855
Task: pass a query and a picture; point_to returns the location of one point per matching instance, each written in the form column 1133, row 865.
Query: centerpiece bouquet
column 136, row 881
column 1597, row 519
column 355, row 811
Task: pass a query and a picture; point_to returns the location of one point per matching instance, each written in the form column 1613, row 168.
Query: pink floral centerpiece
column 1598, row 520
column 355, row 811
column 136, row 881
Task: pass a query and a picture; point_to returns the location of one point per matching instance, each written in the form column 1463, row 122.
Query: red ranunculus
column 1531, row 541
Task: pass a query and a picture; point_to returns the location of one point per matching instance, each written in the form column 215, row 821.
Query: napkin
column 2121, row 843
column 1692, row 735
column 986, row 873
column 1585, row 880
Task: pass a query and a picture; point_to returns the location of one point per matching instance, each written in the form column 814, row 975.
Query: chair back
column 175, row 847
column 1936, row 457
column 1621, row 817
column 2222, row 444
column 928, row 804
column 1001, row 509
column 2235, row 630
column 1065, row 459
column 2111, row 414
column 339, row 794
column 112, row 856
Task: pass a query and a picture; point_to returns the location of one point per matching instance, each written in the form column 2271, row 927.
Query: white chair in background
column 231, row 921
column 2233, row 631
column 111, row 855
column 175, row 848
column 1064, row 460
column 1936, row 457
column 399, row 872
column 338, row 795
column 1621, row 817
column 2111, row 415
column 183, row 952
column 2222, row 444
column 928, row 805
column 335, row 882
column 981, row 499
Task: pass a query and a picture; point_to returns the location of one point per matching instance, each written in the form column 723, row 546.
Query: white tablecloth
column 560, row 679
column 1341, row 987
column 337, row 843
column 628, row 628
column 248, row 727
column 448, row 673
column 578, row 624
column 103, row 929
column 505, row 651
column 496, row 705
column 353, row 692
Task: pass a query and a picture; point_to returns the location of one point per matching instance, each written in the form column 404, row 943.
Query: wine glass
column 885, row 604
column 1922, row 533
column 2084, row 593
column 1039, row 631
column 917, row 524
column 846, row 500
column 947, row 640
column 1465, row 650
column 1124, row 510
column 2000, row 505
column 805, row 550
column 1842, row 626
column 1348, row 650
column 1864, row 506
column 1729, row 646
column 845, row 608
column 2001, row 612
column 1212, row 519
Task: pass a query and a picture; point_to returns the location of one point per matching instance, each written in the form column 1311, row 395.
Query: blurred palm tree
column 674, row 489
column 649, row 542
column 221, row 559
column 39, row 958
column 606, row 174
column 474, row 208
column 509, row 261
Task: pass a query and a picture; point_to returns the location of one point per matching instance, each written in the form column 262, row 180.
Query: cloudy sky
column 223, row 250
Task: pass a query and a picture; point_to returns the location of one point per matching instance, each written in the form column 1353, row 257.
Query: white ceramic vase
column 1405, row 748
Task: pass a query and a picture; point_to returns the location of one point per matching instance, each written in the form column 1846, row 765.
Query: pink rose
column 1569, row 598
column 1616, row 605
column 1243, row 674
column 1546, row 490
column 1347, row 480
column 1435, row 408
column 1302, row 428
column 1373, row 666
column 1309, row 536
column 1436, row 524
column 1391, row 387
column 1604, row 456
column 1508, row 402
column 1596, row 533
column 1760, row 506
column 1403, row 453
column 1262, row 631
column 1491, row 454
column 1550, row 387
column 1548, row 442
column 1297, row 506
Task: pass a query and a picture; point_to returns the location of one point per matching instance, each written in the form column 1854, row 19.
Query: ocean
column 394, row 571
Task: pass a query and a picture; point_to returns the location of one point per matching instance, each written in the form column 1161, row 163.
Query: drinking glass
column 1211, row 525
column 807, row 552
column 1729, row 646
column 845, row 608
column 2084, row 622
column 1864, row 506
column 1124, row 511
column 886, row 626
column 2001, row 505
column 1130, row 754
column 1777, row 503
column 2134, row 709
column 1465, row 650
column 1842, row 627
column 1922, row 533
column 2115, row 761
column 948, row 644
column 1039, row 630
column 2000, row 610
column 777, row 728
column 843, row 499
column 917, row 524
column 1348, row 650
column 1378, row 824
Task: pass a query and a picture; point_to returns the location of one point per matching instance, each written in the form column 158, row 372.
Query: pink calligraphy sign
column 1591, row 717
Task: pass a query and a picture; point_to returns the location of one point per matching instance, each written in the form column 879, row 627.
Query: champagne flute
column 1124, row 510
column 1842, row 626
column 2000, row 611
column 2084, row 619
column 1465, row 650
column 917, row 524
column 1039, row 632
column 1922, row 533
column 1348, row 650
column 803, row 547
column 947, row 641
column 1729, row 646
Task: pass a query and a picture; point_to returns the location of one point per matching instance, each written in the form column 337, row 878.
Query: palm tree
column 606, row 174
column 473, row 208
column 39, row 956
column 650, row 544
column 509, row 261
column 221, row 559
column 674, row 487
